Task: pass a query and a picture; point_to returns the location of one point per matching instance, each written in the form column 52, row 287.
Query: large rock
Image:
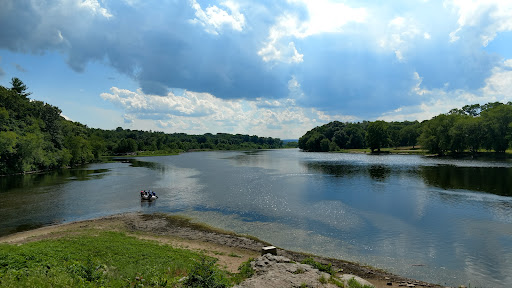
column 280, row 272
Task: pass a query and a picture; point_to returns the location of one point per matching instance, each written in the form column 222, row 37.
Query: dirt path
column 231, row 249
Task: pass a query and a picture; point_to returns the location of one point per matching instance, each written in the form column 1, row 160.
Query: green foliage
column 104, row 259
column 205, row 274
column 377, row 135
column 470, row 128
column 352, row 283
column 327, row 268
column 322, row 279
column 245, row 269
column 34, row 136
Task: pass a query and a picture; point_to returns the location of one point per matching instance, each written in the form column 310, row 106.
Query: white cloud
column 400, row 35
column 328, row 17
column 324, row 17
column 490, row 16
column 499, row 84
column 199, row 113
column 498, row 87
column 95, row 7
column 213, row 19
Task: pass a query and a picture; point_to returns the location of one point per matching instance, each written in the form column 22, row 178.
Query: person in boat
column 141, row 193
column 154, row 194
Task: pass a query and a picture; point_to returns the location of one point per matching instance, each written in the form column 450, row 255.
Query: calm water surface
column 443, row 221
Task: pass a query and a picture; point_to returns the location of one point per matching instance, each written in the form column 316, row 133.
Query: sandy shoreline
column 229, row 248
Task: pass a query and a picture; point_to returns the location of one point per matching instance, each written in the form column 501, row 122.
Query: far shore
column 182, row 232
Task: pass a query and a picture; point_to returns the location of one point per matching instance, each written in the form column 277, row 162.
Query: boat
column 147, row 197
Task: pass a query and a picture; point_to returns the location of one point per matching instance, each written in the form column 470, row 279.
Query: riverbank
column 230, row 249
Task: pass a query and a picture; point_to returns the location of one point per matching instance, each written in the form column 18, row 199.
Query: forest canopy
column 470, row 128
column 34, row 136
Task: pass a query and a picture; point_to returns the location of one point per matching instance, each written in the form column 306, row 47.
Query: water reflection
column 495, row 180
column 376, row 172
column 49, row 178
column 141, row 163
column 379, row 172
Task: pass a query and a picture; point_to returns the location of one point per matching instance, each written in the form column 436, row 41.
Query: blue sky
column 267, row 68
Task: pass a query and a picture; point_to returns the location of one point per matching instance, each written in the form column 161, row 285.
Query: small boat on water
column 147, row 196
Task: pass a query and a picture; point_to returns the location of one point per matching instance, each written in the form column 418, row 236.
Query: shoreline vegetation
column 34, row 136
column 160, row 250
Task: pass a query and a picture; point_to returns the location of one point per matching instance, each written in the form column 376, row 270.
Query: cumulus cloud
column 322, row 17
column 488, row 17
column 401, row 35
column 214, row 18
column 202, row 112
column 342, row 58
column 497, row 87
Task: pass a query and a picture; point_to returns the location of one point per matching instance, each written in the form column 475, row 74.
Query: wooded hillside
column 471, row 128
column 34, row 136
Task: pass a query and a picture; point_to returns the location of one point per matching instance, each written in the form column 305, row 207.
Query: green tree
column 496, row 123
column 435, row 136
column 377, row 136
column 19, row 87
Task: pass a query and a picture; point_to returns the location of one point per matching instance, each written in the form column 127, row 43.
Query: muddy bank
column 231, row 249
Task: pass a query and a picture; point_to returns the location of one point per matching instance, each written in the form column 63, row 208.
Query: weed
column 324, row 268
column 245, row 271
column 322, row 279
column 205, row 274
column 336, row 282
column 352, row 283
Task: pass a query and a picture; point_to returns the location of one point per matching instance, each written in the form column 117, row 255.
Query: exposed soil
column 231, row 249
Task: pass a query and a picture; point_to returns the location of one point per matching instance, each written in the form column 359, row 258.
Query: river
column 438, row 220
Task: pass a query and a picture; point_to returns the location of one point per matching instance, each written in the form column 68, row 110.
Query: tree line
column 470, row 128
column 34, row 136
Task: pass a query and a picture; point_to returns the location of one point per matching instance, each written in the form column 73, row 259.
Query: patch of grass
column 299, row 271
column 205, row 274
column 324, row 268
column 322, row 279
column 106, row 259
column 245, row 271
column 352, row 283
column 234, row 255
column 336, row 281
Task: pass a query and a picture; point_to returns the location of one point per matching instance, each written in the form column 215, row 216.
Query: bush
column 205, row 274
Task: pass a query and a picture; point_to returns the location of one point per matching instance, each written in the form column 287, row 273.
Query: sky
column 272, row 68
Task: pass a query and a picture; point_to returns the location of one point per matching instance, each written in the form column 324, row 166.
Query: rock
column 272, row 271
column 269, row 249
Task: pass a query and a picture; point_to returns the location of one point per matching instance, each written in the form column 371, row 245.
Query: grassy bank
column 107, row 259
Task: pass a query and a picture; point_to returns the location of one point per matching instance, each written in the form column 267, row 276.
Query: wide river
column 438, row 220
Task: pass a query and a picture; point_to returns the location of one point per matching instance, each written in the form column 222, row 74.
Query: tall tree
column 19, row 87
column 377, row 136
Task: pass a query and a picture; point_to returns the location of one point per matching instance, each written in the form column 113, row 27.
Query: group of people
column 145, row 194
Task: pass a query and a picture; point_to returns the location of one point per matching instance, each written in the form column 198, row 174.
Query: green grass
column 352, row 283
column 322, row 267
column 106, row 259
